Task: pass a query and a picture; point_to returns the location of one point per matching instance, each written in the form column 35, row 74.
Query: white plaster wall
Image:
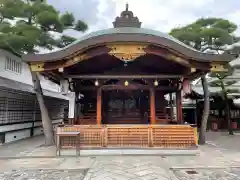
column 20, row 131
column 38, row 131
column 25, row 76
column 15, row 127
column 17, row 135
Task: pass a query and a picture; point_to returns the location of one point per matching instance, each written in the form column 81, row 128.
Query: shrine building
column 120, row 77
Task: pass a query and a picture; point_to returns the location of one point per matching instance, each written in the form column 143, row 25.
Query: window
column 13, row 65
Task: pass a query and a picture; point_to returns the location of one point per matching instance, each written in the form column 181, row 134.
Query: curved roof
column 125, row 34
column 130, row 30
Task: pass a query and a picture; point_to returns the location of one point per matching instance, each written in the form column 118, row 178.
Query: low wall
column 10, row 133
column 135, row 136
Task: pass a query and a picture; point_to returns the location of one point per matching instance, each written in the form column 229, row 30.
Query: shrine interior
column 125, row 88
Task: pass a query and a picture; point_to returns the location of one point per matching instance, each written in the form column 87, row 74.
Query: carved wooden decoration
column 37, row 67
column 75, row 60
column 127, row 52
column 218, row 68
column 193, row 70
column 178, row 59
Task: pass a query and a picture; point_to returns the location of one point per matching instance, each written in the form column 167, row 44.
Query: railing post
column 150, row 136
column 196, row 136
column 105, row 136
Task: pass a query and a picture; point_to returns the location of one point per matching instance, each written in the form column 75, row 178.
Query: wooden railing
column 136, row 136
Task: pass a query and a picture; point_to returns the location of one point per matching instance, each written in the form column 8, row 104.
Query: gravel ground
column 44, row 175
column 208, row 174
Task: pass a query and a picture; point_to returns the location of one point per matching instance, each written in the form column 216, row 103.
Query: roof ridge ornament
column 127, row 19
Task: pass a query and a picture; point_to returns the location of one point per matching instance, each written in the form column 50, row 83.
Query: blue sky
column 161, row 15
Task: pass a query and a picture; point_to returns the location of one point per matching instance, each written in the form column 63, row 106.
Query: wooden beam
column 98, row 76
column 121, row 87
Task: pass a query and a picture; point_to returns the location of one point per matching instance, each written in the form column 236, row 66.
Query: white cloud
column 165, row 15
column 160, row 15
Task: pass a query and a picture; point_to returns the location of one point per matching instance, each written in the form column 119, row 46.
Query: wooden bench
column 68, row 134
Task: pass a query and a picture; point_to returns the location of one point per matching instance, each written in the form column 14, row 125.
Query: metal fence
column 21, row 107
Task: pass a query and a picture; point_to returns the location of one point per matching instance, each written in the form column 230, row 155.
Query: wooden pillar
column 171, row 106
column 99, row 106
column 179, row 107
column 152, row 107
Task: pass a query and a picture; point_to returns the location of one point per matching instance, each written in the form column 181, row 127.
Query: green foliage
column 223, row 74
column 65, row 40
column 223, row 82
column 209, row 34
column 67, row 19
column 80, row 26
column 35, row 19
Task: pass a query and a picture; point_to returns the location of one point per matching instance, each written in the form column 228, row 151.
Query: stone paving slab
column 47, row 163
column 129, row 168
column 208, row 174
column 43, row 175
column 21, row 147
column 209, row 156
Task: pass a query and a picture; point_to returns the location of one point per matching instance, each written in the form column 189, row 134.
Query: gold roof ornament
column 127, row 52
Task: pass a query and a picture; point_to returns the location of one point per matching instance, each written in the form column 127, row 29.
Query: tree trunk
column 230, row 130
column 46, row 121
column 227, row 109
column 202, row 134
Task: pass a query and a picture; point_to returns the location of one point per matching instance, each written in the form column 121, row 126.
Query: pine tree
column 35, row 22
column 26, row 26
column 210, row 35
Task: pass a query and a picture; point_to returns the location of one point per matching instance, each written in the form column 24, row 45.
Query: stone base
column 120, row 152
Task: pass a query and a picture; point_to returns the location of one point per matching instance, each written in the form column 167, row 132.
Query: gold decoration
column 61, row 69
column 178, row 59
column 37, row 67
column 218, row 68
column 75, row 60
column 127, row 52
column 193, row 70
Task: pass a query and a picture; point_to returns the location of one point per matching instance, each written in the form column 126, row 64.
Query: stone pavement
column 89, row 168
column 208, row 174
column 127, row 167
column 43, row 175
column 21, row 147
column 116, row 168
column 220, row 159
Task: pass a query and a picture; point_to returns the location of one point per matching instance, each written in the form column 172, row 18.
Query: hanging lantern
column 155, row 83
column 61, row 69
column 96, row 83
column 126, row 83
column 186, row 86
